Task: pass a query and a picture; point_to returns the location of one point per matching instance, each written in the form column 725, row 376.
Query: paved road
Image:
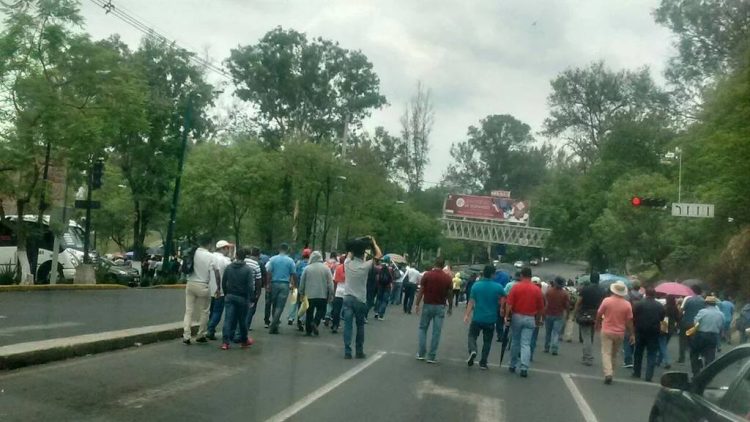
column 292, row 377
column 42, row 315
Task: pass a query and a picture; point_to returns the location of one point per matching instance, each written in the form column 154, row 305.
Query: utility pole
column 87, row 229
column 168, row 247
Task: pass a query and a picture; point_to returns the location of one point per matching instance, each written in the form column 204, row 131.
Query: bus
column 41, row 241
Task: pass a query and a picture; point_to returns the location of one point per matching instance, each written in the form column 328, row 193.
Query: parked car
column 534, row 261
column 518, row 264
column 720, row 392
column 119, row 272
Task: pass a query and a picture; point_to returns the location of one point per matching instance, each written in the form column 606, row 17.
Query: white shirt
column 204, row 264
column 222, row 262
column 414, row 275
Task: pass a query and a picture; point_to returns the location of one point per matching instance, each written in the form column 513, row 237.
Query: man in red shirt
column 524, row 310
column 437, row 289
column 557, row 303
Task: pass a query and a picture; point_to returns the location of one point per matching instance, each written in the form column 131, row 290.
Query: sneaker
column 431, row 360
column 267, row 325
column 472, row 356
column 250, row 341
column 347, row 356
column 211, row 336
column 627, row 365
column 224, row 346
column 187, row 341
column 554, row 353
column 247, row 344
column 483, row 366
column 608, row 379
column 201, row 340
column 274, row 331
column 360, row 356
column 524, row 373
column 290, row 322
column 419, row 357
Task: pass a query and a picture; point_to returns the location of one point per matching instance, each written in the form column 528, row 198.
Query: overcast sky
column 479, row 57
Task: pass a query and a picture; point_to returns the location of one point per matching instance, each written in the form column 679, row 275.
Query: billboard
column 506, row 210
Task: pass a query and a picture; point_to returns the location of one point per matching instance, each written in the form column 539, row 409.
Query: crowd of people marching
column 324, row 291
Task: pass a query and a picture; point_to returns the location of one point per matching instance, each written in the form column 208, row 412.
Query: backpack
column 188, row 263
column 384, row 276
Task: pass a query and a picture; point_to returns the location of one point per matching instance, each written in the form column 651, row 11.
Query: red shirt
column 339, row 276
column 526, row 298
column 435, row 287
column 557, row 301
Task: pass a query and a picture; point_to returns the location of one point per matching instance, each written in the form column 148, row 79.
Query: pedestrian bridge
column 495, row 232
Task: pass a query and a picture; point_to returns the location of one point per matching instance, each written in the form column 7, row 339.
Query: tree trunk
column 27, row 278
column 324, row 237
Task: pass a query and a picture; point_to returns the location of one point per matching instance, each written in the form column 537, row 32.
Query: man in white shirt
column 222, row 255
column 411, row 280
column 197, row 292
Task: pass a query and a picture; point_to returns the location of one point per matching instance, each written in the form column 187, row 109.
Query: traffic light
column 97, row 172
column 638, row 201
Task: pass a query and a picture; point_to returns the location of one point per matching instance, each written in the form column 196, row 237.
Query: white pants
column 198, row 296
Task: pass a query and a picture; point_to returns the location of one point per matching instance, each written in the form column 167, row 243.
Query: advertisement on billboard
column 506, row 210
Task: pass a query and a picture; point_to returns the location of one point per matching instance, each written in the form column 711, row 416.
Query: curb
column 167, row 286
column 38, row 352
column 46, row 287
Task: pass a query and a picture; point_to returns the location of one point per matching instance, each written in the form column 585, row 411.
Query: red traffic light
column 636, row 201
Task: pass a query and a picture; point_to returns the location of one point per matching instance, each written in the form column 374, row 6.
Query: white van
column 71, row 247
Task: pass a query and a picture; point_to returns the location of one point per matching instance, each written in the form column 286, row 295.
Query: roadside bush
column 7, row 275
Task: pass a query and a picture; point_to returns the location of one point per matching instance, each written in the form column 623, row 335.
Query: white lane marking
column 141, row 398
column 7, row 332
column 489, row 409
column 3, row 317
column 588, row 414
column 322, row 391
column 547, row 371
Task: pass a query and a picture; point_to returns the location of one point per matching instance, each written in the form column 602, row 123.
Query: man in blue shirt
column 484, row 303
column 709, row 321
column 280, row 274
column 726, row 307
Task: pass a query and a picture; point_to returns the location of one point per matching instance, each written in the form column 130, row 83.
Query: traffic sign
column 693, row 210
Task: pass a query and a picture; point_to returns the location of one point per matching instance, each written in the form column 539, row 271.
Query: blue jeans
column 354, row 310
column 487, row 330
column 384, row 297
column 534, row 338
column 553, row 325
column 236, row 307
column 663, row 351
column 627, row 350
column 396, row 293
column 217, row 309
column 522, row 330
column 431, row 314
column 279, row 295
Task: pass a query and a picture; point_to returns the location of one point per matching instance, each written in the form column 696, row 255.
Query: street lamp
column 676, row 155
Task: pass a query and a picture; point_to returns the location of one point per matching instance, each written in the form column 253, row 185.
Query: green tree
column 416, row 128
column 304, row 87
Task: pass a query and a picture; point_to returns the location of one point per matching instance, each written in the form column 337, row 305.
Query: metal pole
column 679, row 181
column 176, row 196
column 87, row 229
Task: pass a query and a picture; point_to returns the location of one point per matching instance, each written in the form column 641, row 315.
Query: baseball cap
column 222, row 244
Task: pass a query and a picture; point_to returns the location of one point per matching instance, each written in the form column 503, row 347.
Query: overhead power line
column 112, row 9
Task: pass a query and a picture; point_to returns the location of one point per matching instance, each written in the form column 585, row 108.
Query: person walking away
column 197, row 292
column 634, row 296
column 708, row 324
column 338, row 303
column 357, row 271
column 614, row 318
column 570, row 316
column 588, row 302
column 437, row 287
column 398, row 285
column 524, row 309
column 316, row 284
column 259, row 272
column 667, row 328
column 482, row 311
column 535, row 335
column 557, row 300
column 502, row 278
column 647, row 317
column 690, row 308
column 456, row 288
column 222, row 254
column 280, row 279
column 299, row 268
column 238, row 284
column 743, row 323
column 726, row 307
column 411, row 280
column 384, row 281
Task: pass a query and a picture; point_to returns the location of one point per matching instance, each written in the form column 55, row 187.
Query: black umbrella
column 505, row 344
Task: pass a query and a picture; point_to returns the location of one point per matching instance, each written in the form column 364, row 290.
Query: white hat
column 222, row 244
column 619, row 288
column 536, row 280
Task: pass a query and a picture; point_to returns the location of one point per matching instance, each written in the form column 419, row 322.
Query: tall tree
column 498, row 154
column 586, row 104
column 416, row 127
column 712, row 37
column 304, row 88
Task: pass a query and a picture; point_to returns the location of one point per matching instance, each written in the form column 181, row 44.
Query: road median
column 38, row 352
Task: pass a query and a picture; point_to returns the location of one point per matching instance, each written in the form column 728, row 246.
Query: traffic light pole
column 169, row 244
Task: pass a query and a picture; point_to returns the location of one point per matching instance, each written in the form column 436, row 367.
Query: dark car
column 721, row 392
column 119, row 272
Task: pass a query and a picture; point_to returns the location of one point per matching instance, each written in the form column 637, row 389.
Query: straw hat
column 619, row 288
column 712, row 300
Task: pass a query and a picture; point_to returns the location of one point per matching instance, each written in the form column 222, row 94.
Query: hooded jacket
column 316, row 281
column 238, row 280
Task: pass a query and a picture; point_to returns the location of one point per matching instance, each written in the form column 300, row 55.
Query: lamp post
column 670, row 156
